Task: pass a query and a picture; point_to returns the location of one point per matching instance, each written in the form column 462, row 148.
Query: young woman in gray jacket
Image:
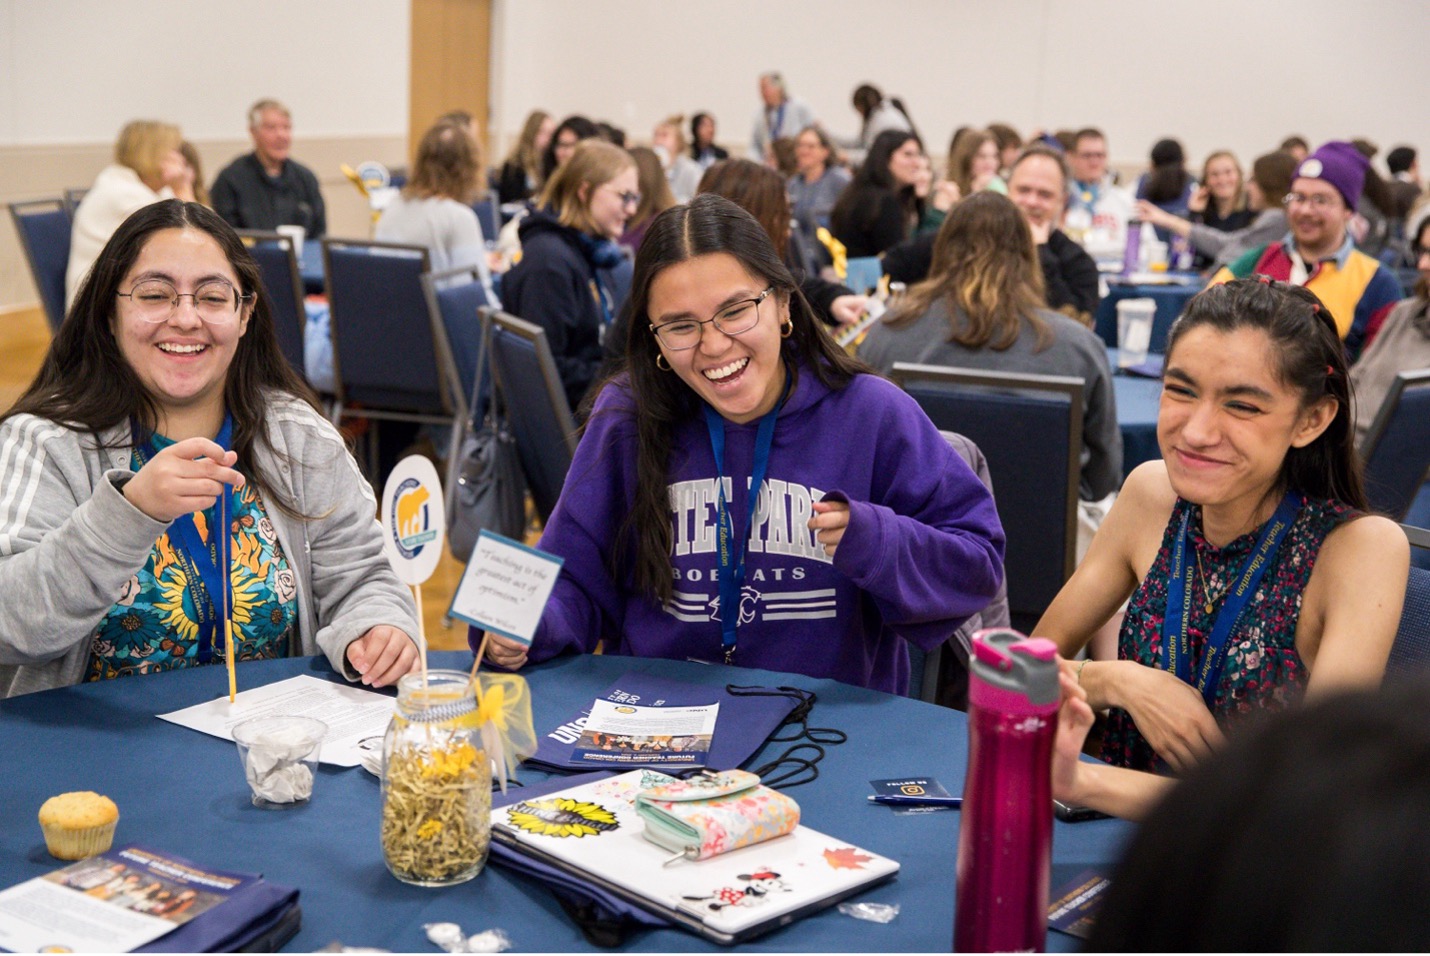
column 163, row 411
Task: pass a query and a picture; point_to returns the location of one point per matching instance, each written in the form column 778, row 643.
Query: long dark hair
column 1168, row 178
column 662, row 402
column 1312, row 361
column 576, row 123
column 858, row 205
column 86, row 384
column 758, row 190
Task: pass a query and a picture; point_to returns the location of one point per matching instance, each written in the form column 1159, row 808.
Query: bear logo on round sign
column 414, row 521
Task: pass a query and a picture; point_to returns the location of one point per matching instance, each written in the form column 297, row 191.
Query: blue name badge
column 505, row 587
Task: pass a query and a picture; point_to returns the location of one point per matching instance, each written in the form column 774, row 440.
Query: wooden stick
column 421, row 632
column 225, row 549
column 481, row 651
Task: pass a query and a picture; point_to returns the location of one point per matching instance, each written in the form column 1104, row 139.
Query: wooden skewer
column 481, row 652
column 226, row 572
column 421, row 633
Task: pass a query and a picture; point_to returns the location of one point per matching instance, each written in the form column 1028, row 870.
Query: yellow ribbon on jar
column 837, row 252
column 504, row 716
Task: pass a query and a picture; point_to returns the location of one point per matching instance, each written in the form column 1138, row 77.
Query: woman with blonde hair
column 563, row 281
column 520, row 175
column 973, row 163
column 147, row 167
column 982, row 307
column 682, row 172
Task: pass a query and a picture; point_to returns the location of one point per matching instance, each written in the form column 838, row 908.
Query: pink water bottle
column 1005, row 837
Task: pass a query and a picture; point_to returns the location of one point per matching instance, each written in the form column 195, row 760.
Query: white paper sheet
column 352, row 714
column 505, row 587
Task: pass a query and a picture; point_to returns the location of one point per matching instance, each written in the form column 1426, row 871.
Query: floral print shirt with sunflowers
column 154, row 627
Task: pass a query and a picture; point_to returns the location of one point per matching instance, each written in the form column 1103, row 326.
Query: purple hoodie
column 923, row 549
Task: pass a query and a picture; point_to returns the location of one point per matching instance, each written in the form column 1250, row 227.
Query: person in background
column 1296, row 146
column 1371, row 227
column 195, row 172
column 682, row 172
column 879, row 210
column 876, row 114
column 815, row 187
column 611, row 133
column 1010, row 144
column 1402, row 345
column 780, row 114
column 1306, row 835
column 1219, row 200
column 164, row 410
column 983, row 307
column 1271, row 176
column 520, row 175
column 703, row 148
column 1319, row 253
column 1098, row 210
column 563, row 281
column 1254, row 573
column 761, row 192
column 572, row 130
column 656, row 197
column 267, row 188
column 1037, row 185
column 434, row 209
column 851, row 555
column 147, row 167
column 974, row 164
column 1405, row 188
column 1167, row 185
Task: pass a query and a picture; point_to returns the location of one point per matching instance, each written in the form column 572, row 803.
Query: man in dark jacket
column 1037, row 185
column 266, row 189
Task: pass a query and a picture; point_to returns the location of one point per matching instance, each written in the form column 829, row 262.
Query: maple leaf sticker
column 846, row 858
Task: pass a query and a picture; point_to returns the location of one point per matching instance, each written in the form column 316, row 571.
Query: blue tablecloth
column 1137, row 401
column 182, row 791
column 1170, row 299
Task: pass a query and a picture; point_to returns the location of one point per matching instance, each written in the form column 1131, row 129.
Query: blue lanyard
column 201, row 562
column 603, row 302
column 1175, row 641
column 732, row 565
column 774, row 126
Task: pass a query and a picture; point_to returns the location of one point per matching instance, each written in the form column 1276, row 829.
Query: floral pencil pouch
column 714, row 813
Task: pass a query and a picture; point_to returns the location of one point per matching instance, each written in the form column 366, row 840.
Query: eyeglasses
column 216, row 301
column 734, row 319
column 628, row 198
column 1318, row 201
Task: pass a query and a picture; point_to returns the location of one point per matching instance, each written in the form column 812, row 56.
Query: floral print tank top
column 154, row 627
column 1263, row 671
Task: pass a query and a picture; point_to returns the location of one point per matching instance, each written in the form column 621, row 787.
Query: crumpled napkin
column 275, row 769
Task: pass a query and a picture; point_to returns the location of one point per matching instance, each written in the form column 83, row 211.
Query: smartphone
column 1075, row 813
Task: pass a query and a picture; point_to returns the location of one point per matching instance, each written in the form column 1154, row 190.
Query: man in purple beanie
column 1318, row 252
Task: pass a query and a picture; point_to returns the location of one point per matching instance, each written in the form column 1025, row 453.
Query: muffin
column 79, row 824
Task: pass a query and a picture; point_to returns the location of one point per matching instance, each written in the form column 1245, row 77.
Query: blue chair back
column 454, row 300
column 386, row 353
column 862, row 273
column 530, row 389
column 1029, row 428
column 1396, row 449
column 283, row 284
column 1411, row 651
column 488, row 217
column 44, row 228
column 73, row 197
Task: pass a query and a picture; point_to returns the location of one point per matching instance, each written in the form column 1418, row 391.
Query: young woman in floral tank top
column 1254, row 574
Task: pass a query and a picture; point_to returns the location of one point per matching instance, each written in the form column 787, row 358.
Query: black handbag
column 490, row 488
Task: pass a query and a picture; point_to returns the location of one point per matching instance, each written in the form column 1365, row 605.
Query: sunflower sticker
column 562, row 817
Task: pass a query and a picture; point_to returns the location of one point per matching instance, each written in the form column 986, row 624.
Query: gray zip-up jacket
column 70, row 541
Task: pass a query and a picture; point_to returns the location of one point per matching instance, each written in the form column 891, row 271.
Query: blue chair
column 1029, row 428
column 73, row 197
column 44, row 228
column 283, row 284
column 455, row 298
column 390, row 359
column 525, row 380
column 1410, row 654
column 1396, row 448
column 488, row 217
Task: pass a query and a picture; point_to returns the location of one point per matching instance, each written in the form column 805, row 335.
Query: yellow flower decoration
column 448, row 763
column 837, row 252
column 504, row 715
column 429, row 829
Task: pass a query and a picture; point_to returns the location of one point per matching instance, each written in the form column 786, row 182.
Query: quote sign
column 505, row 587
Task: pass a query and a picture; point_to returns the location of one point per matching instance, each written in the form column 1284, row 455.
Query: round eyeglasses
column 735, row 318
column 216, row 301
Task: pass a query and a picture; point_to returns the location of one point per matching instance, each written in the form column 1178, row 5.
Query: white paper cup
column 1134, row 330
column 296, row 233
column 280, row 758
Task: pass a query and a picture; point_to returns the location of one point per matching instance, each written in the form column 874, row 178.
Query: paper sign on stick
column 505, row 587
column 414, row 519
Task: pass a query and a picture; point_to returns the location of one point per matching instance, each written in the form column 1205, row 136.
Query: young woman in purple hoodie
column 746, row 493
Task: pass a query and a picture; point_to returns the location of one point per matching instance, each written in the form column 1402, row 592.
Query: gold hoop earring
column 787, row 328
column 661, row 363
